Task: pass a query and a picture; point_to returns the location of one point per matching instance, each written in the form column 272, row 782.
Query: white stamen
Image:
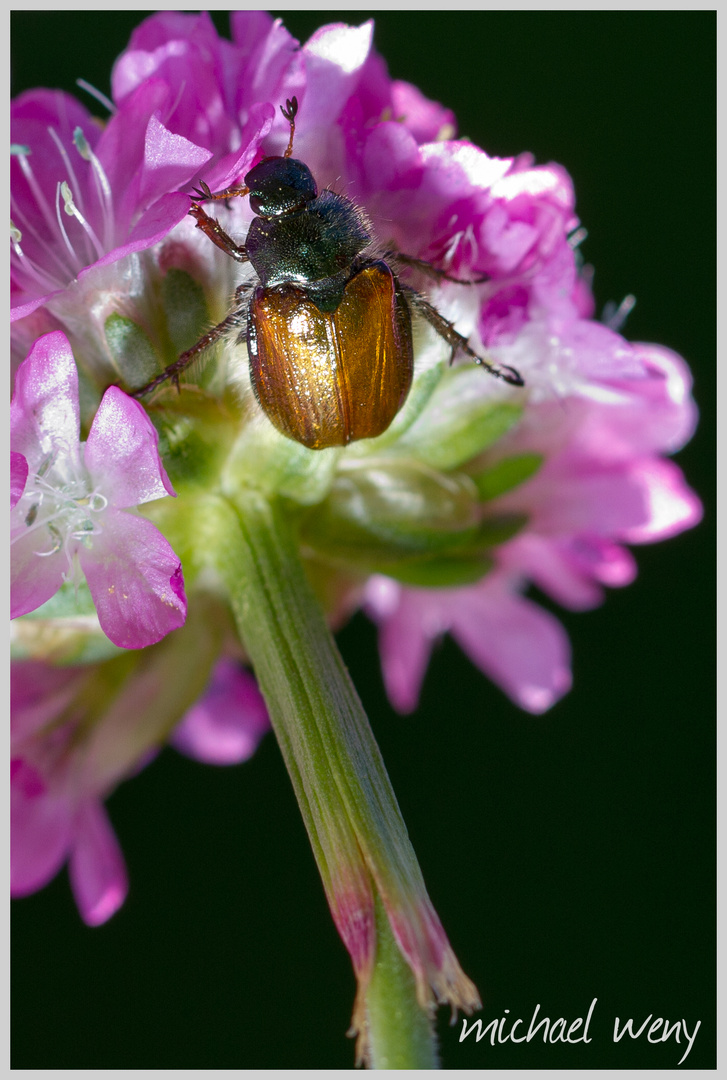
column 35, row 273
column 67, row 162
column 72, row 210
column 103, row 188
column 58, row 499
column 577, row 237
column 50, row 251
column 76, row 261
column 107, row 104
column 37, row 193
column 15, row 234
column 614, row 317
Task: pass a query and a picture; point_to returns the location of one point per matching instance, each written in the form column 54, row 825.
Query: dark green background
column 569, row 856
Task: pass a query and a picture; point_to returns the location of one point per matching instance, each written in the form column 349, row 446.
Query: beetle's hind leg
column 234, row 320
column 456, row 341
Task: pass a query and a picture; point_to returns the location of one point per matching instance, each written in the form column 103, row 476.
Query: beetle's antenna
column 290, row 112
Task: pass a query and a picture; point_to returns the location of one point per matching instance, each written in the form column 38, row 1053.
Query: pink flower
column 83, row 198
column 63, row 731
column 75, row 501
column 602, row 484
column 476, row 491
column 226, row 724
column 515, row 643
column 56, row 814
column 598, row 415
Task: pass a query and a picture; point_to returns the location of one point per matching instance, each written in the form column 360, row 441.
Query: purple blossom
column 75, row 501
column 57, row 815
column 600, row 412
column 226, row 724
column 99, row 219
column 60, row 772
column 602, row 484
column 120, row 194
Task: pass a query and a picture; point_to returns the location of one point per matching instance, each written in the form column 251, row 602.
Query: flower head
column 439, row 525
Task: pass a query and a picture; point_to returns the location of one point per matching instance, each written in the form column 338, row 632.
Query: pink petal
column 44, row 410
column 334, row 56
column 40, row 834
column 164, row 26
column 19, row 311
column 170, row 161
column 152, row 227
column 225, row 726
column 18, row 477
column 408, row 626
column 141, row 59
column 267, row 65
column 122, row 454
column 34, row 579
column 39, row 693
column 659, row 412
column 232, row 167
column 249, row 29
column 546, row 562
column 135, row 580
column 425, row 119
column 131, row 151
column 522, row 648
column 671, row 506
column 96, row 868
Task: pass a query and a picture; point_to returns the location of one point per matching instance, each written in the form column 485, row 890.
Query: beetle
column 328, row 327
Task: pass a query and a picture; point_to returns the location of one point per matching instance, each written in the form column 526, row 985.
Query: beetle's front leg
column 211, row 228
column 204, row 192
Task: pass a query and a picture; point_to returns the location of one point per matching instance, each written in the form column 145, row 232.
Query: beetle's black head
column 280, row 185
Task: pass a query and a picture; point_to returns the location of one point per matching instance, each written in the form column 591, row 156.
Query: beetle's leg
column 203, row 192
column 456, row 341
column 290, row 112
column 183, row 361
column 430, row 270
column 212, row 228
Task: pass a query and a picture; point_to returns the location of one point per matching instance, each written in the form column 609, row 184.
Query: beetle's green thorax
column 314, row 247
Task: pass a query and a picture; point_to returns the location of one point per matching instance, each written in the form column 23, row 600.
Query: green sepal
column 267, row 461
column 445, row 572
column 458, row 423
column 195, row 434
column 499, row 529
column 506, row 475
column 132, row 351
column 70, row 600
column 185, row 308
column 389, row 510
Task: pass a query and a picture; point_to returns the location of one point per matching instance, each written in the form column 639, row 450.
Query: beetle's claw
column 291, row 109
column 203, row 191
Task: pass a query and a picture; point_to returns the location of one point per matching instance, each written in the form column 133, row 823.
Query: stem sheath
column 359, row 839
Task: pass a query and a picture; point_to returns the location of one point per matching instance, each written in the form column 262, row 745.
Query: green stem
column 400, row 1032
column 350, row 811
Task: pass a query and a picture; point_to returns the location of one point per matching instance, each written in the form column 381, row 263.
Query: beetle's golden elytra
column 328, row 330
